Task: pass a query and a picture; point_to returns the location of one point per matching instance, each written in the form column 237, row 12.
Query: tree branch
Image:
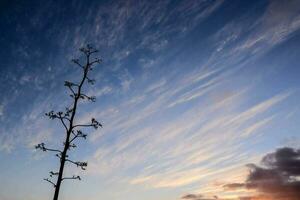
column 97, row 61
column 62, row 120
column 91, row 81
column 72, row 145
column 58, row 155
column 76, row 61
column 46, row 179
column 70, row 84
column 58, row 115
column 90, row 98
column 43, row 148
column 94, row 123
column 83, row 125
column 82, row 165
column 77, row 135
column 73, row 177
column 53, row 174
column 88, row 50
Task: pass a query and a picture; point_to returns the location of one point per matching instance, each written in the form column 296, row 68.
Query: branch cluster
column 78, row 134
column 72, row 86
column 42, row 147
column 64, row 117
column 88, row 51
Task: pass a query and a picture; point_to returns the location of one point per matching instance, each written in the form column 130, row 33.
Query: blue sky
column 189, row 92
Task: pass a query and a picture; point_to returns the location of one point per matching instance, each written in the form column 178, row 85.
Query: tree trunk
column 69, row 131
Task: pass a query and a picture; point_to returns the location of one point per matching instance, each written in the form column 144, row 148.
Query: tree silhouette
column 67, row 117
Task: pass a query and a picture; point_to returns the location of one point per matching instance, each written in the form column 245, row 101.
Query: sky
column 199, row 99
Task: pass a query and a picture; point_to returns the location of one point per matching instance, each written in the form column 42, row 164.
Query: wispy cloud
column 195, row 141
column 1, row 110
column 6, row 143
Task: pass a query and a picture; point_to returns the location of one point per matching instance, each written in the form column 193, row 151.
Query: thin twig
column 46, row 179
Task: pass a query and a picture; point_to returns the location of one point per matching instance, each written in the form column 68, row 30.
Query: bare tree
column 67, row 118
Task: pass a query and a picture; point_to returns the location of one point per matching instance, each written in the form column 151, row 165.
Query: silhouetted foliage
column 67, row 117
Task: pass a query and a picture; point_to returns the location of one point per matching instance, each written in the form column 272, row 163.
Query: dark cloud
column 277, row 178
column 191, row 196
column 286, row 160
column 197, row 197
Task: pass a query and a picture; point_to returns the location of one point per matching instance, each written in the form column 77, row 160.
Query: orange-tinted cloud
column 276, row 179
